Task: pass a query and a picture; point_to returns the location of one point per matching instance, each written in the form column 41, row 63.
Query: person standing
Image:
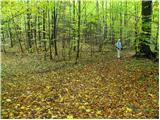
column 119, row 48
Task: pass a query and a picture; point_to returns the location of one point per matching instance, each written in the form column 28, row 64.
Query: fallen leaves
column 8, row 100
column 88, row 110
column 126, row 109
column 98, row 112
column 82, row 107
column 69, row 116
column 96, row 91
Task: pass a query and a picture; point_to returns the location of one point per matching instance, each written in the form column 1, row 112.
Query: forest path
column 108, row 88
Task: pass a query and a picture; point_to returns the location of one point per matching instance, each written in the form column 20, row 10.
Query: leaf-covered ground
column 105, row 88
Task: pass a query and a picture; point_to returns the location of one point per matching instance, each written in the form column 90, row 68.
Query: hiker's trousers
column 118, row 53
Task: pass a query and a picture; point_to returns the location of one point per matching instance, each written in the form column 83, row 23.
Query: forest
column 71, row 59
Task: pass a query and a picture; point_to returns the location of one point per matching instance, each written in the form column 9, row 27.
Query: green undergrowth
column 14, row 63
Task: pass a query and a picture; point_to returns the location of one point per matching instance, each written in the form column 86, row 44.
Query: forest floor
column 104, row 88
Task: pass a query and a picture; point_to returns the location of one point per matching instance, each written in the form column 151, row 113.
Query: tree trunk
column 74, row 31
column 157, row 34
column 19, row 39
column 35, row 33
column 105, row 35
column 98, row 29
column 29, row 29
column 39, row 30
column 144, row 48
column 26, row 32
column 113, row 41
column 44, row 34
column 3, row 41
column 79, row 19
column 136, row 29
column 55, row 30
column 69, row 40
column 64, row 29
column 10, row 35
column 121, row 32
column 49, row 34
column 125, row 24
column 111, row 23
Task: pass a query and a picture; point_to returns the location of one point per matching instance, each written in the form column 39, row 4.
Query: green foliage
column 30, row 50
column 149, row 110
column 98, row 22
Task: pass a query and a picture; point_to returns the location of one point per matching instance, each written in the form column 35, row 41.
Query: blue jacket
column 119, row 45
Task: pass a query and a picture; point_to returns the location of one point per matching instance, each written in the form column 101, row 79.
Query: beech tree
column 144, row 48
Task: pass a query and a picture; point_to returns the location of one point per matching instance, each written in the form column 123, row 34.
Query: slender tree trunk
column 26, row 32
column 79, row 19
column 49, row 33
column 44, row 22
column 10, row 35
column 44, row 30
column 125, row 23
column 74, row 32
column 55, row 30
column 64, row 25
column 136, row 29
column 19, row 39
column 3, row 40
column 39, row 30
column 113, row 41
column 91, row 38
column 98, row 34
column 105, row 21
column 111, row 22
column 29, row 29
column 99, row 26
column 69, row 42
column 35, row 33
column 121, row 32
column 85, row 22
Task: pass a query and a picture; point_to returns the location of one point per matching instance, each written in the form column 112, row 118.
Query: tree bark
column 44, row 31
column 69, row 40
column 10, row 35
column 144, row 48
column 29, row 28
column 19, row 39
column 121, row 30
column 55, row 29
column 74, row 31
column 3, row 41
column 79, row 19
column 136, row 30
column 49, row 35
column 157, row 34
column 105, row 22
column 39, row 30
column 35, row 33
